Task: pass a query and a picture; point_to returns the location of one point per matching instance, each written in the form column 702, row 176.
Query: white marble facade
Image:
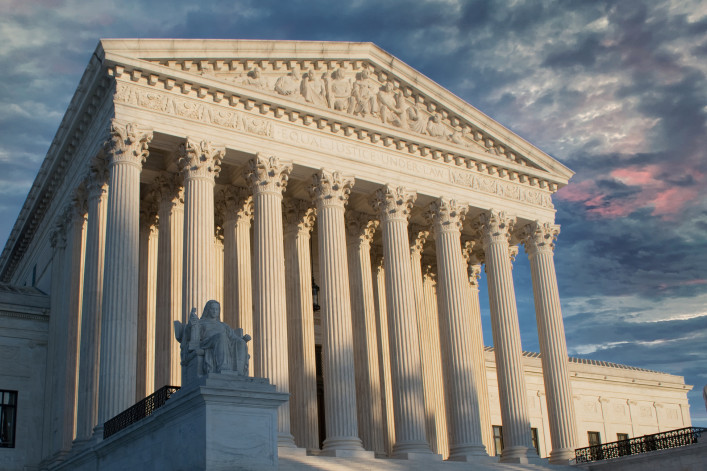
column 249, row 171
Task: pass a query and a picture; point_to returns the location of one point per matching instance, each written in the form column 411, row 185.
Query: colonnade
column 402, row 346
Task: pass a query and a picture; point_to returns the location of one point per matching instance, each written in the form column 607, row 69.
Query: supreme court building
column 341, row 206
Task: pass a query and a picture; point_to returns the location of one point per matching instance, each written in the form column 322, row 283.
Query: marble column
column 465, row 442
column 431, row 326
column 147, row 299
column 539, row 240
column 169, row 194
column 394, row 205
column 218, row 271
column 359, row 230
column 388, row 429
column 237, row 268
column 90, row 349
column 268, row 177
column 418, row 237
column 200, row 164
column 495, row 228
column 473, row 256
column 119, row 322
column 330, row 192
column 55, row 364
column 299, row 219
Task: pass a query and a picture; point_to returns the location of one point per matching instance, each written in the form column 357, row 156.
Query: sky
column 616, row 91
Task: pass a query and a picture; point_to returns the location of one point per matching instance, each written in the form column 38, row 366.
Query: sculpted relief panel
column 242, row 121
column 354, row 88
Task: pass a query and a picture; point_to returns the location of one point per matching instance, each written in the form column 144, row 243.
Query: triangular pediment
column 353, row 82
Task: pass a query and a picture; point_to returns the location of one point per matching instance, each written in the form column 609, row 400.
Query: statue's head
column 212, row 310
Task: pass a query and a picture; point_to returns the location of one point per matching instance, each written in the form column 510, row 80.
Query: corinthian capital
column 167, row 188
column 447, row 214
column 268, row 175
column 128, row 143
column 200, row 159
column 97, row 179
column 237, row 203
column 473, row 256
column 418, row 237
column 539, row 237
column 298, row 215
column 393, row 202
column 331, row 188
column 494, row 227
column 360, row 227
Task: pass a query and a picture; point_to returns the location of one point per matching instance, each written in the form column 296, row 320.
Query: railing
column 139, row 411
column 633, row 446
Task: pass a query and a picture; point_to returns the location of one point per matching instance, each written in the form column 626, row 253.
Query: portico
column 258, row 191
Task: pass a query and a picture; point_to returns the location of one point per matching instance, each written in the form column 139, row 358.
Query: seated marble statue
column 211, row 346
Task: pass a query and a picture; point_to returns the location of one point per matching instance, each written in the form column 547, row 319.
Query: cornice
column 83, row 107
column 239, row 55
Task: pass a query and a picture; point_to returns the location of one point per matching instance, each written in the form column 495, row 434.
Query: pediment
column 352, row 82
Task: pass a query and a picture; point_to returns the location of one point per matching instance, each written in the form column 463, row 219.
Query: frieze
column 245, row 122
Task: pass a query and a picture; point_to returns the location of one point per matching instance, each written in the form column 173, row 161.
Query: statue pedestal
column 222, row 421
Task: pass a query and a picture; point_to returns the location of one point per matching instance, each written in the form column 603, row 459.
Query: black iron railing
column 139, row 411
column 633, row 446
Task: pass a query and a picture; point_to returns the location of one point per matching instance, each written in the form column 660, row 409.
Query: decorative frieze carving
column 128, row 143
column 200, row 159
column 267, row 174
column 394, row 202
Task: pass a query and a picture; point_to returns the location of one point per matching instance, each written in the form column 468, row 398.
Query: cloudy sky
column 617, row 91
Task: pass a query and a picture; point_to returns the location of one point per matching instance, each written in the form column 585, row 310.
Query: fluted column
column 418, row 237
column 331, row 193
column 218, row 271
column 539, row 240
column 473, row 260
column 495, row 228
column 200, row 164
column 360, row 229
column 299, row 220
column 169, row 194
column 388, row 429
column 431, row 329
column 465, row 441
column 147, row 300
column 55, row 364
column 268, row 177
column 238, row 277
column 394, row 205
column 119, row 321
column 90, row 349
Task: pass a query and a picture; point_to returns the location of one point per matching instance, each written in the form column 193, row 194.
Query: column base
column 285, row 440
column 340, row 446
column 412, row 456
column 469, row 453
column 521, row 455
column 290, row 451
column 561, row 456
column 358, row 454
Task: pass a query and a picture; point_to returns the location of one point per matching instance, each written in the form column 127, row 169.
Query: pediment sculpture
column 210, row 346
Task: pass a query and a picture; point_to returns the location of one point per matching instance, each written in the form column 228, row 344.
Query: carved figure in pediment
column 435, row 126
column 288, row 84
column 253, row 79
column 416, row 118
column 340, row 91
column 209, row 345
column 390, row 105
column 364, row 96
column 313, row 89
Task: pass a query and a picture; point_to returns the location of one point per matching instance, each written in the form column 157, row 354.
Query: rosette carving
column 539, row 237
column 447, row 214
column 331, row 187
column 200, row 159
column 268, row 174
column 128, row 143
column 494, row 227
column 393, row 202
